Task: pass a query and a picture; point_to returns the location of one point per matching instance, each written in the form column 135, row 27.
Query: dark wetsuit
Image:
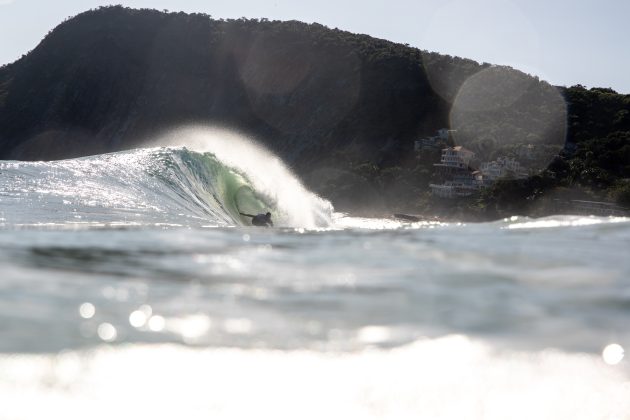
column 260, row 219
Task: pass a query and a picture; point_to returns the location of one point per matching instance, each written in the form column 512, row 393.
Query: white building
column 456, row 157
column 501, row 168
column 456, row 161
column 492, row 170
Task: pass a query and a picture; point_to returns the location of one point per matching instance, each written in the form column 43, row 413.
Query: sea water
column 130, row 287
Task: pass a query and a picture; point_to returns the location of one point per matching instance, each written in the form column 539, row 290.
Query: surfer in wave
column 260, row 219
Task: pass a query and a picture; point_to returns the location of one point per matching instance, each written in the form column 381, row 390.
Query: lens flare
column 137, row 319
column 107, row 332
column 613, row 354
column 87, row 310
column 514, row 124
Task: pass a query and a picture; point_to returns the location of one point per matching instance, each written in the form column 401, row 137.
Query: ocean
column 130, row 287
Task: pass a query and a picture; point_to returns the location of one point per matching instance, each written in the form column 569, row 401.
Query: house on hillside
column 502, row 168
column 459, row 186
column 457, row 157
column 454, row 167
column 460, row 180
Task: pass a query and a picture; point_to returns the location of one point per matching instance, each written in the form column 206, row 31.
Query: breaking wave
column 160, row 186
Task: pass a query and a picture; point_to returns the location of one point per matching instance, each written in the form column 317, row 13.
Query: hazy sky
column 563, row 41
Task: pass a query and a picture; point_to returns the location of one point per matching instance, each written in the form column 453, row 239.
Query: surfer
column 260, row 219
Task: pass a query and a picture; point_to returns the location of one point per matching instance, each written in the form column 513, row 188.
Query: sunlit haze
column 563, row 42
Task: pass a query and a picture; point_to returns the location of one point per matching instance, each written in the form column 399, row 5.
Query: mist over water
column 130, row 284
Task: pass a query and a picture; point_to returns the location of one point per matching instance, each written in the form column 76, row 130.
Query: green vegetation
column 596, row 167
column 343, row 109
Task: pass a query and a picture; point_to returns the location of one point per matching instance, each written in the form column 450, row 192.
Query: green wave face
column 231, row 190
